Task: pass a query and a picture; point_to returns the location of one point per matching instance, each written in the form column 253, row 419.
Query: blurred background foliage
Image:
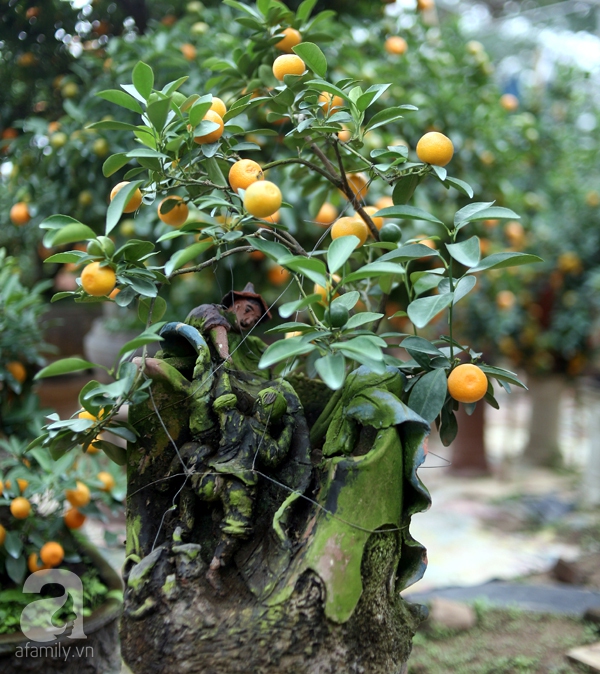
column 525, row 137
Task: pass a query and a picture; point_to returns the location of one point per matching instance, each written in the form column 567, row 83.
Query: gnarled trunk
column 315, row 586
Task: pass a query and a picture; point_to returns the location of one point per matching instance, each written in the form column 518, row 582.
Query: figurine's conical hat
column 247, row 293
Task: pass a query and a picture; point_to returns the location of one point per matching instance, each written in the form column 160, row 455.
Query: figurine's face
column 247, row 313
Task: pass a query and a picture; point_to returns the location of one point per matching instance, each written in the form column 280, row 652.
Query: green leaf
column 414, row 344
column 200, row 107
column 114, row 163
column 215, row 174
column 465, row 214
column 464, row 287
column 64, row 366
column 466, row 252
column 13, row 544
column 412, row 251
column 322, row 85
column 158, row 309
column 121, row 98
column 362, row 318
column 116, row 206
column 16, row 569
column 143, row 79
column 64, row 258
column 408, row 213
column 332, row 370
column 493, row 213
column 427, row 396
column 384, row 117
column 181, row 257
column 305, row 9
column 347, row 300
column 115, row 453
column 285, row 349
column 58, row 222
column 271, row 249
column 502, row 375
column 422, row 310
column 370, row 96
column 374, row 269
column 313, row 57
column 462, row 187
column 502, row 260
column 112, row 125
column 405, row 188
column 137, row 342
column 340, row 250
column 158, row 111
column 69, row 234
column 312, row 268
column 289, row 308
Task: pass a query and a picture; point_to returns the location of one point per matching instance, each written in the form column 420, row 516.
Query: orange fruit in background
column 20, row 507
column 505, row 299
column 189, row 51
column 243, row 173
column 74, row 519
column 107, row 480
column 98, row 281
column 134, row 202
column 425, row 5
column 358, row 183
column 509, row 102
column 262, row 199
column 19, row 213
column 514, row 233
column 272, row 219
column 32, row 563
column 329, row 101
column 384, row 202
column 211, row 136
column 52, row 554
column 278, row 275
column 80, row 496
column 177, row 215
column 17, row 370
column 2, row 535
column 218, row 106
column 23, row 484
column 467, row 383
column 396, row 45
column 435, row 148
column 345, row 134
column 291, row 39
column 370, row 210
column 319, row 290
column 288, row 64
column 350, row 225
column 326, row 215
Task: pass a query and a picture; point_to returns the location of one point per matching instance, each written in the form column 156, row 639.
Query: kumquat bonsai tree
column 271, row 482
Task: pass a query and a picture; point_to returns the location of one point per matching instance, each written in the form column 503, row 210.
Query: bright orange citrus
column 396, row 45
column 278, row 275
column 358, row 183
column 435, row 148
column 80, row 496
column 19, row 213
column 350, row 225
column 98, row 281
column 329, row 101
column 291, row 39
column 134, row 202
column 384, row 202
column 74, row 519
column 262, row 199
column 288, row 64
column 177, row 215
column 107, row 480
column 52, row 554
column 17, row 370
column 243, row 173
column 326, row 215
column 2, row 535
column 32, row 563
column 20, row 508
column 218, row 106
column 467, row 383
column 345, row 134
column 23, row 484
column 370, row 210
column 211, row 136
